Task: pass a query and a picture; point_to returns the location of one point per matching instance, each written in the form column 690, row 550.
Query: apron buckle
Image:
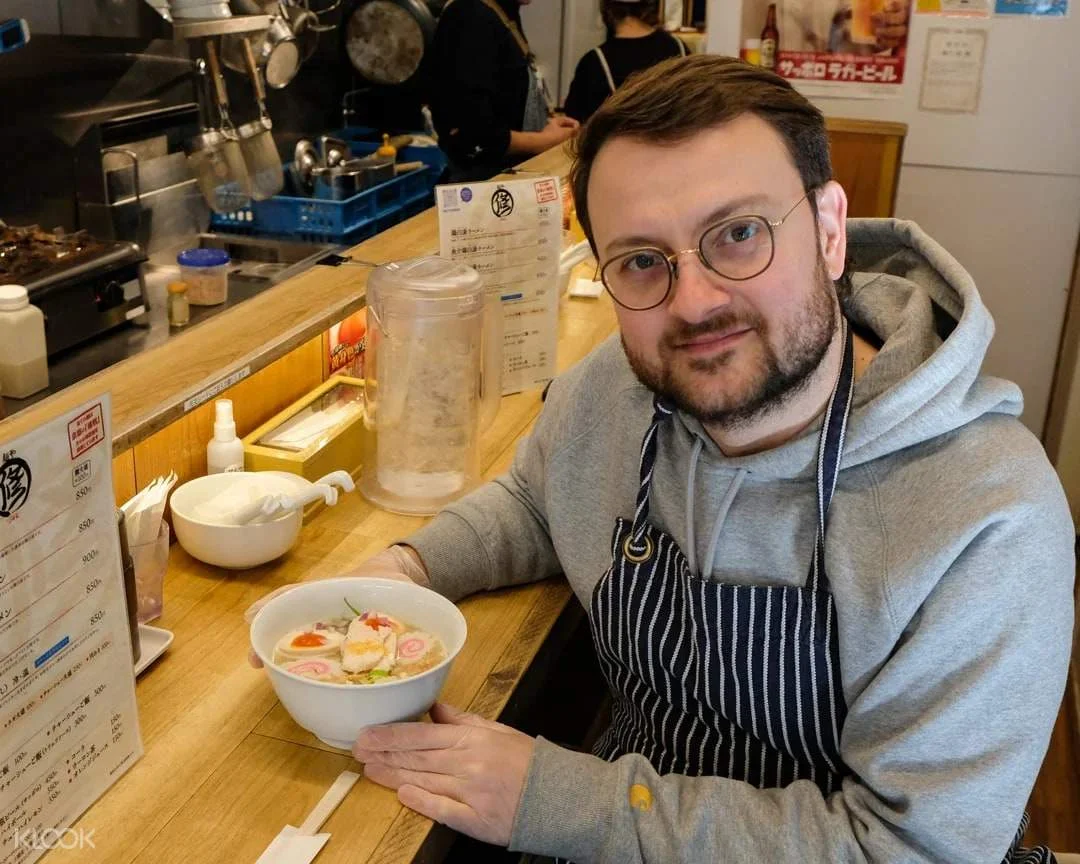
column 630, row 552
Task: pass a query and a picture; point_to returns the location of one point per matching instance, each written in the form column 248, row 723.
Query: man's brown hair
column 678, row 98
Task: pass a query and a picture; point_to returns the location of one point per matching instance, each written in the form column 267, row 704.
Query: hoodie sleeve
column 944, row 742
column 498, row 535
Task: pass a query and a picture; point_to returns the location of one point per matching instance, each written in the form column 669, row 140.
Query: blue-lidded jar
column 206, row 272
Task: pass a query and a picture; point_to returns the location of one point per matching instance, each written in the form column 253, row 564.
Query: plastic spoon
column 274, row 505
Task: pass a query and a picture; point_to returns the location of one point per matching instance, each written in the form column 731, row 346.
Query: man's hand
column 461, row 770
column 891, row 24
column 559, row 128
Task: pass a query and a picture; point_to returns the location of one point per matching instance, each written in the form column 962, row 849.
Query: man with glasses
column 828, row 572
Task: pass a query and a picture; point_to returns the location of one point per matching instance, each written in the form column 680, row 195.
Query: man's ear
column 832, row 226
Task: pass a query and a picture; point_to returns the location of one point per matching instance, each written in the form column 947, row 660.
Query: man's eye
column 638, row 262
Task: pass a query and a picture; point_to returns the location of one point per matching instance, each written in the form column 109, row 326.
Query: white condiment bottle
column 24, row 369
column 225, row 452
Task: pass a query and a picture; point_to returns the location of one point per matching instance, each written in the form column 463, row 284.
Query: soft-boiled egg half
column 310, row 643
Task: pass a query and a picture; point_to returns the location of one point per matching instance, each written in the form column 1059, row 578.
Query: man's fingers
column 449, row 715
column 408, row 736
column 444, row 810
column 394, row 778
column 443, row 762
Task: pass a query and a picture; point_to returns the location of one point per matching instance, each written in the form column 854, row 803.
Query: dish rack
column 319, row 220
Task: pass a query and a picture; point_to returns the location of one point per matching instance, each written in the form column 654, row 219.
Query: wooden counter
column 225, row 767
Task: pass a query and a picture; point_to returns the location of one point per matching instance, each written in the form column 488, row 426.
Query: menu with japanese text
column 68, row 720
column 511, row 232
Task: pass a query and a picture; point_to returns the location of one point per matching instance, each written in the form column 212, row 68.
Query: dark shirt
column 624, row 56
column 478, row 83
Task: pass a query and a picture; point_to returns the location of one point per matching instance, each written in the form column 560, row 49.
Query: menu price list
column 68, row 719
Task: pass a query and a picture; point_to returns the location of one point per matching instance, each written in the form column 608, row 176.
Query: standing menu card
column 68, row 719
column 511, row 232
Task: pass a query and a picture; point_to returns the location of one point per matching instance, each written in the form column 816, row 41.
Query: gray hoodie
column 950, row 555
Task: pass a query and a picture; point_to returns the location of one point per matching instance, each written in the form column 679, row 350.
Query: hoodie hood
column 924, row 309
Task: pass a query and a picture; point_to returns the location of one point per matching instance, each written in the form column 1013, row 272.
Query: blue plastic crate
column 347, row 221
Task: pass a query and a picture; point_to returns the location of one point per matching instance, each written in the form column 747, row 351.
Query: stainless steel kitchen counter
column 258, row 264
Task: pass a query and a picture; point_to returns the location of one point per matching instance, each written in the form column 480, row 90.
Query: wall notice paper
column 952, row 77
column 841, row 48
column 68, row 722
column 510, row 231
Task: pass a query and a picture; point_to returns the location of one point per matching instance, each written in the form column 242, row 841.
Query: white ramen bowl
column 336, row 713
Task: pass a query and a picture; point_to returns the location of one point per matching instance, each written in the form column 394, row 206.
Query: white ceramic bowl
column 336, row 713
column 235, row 547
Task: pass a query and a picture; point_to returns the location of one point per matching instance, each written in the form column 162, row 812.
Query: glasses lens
column 738, row 248
column 638, row 279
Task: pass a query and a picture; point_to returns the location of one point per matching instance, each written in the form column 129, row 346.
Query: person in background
column 635, row 41
column 486, row 96
column 827, row 570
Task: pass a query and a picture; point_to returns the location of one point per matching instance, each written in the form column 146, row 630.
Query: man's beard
column 777, row 378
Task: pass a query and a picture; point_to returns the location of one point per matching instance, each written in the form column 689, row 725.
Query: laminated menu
column 511, row 232
column 68, row 721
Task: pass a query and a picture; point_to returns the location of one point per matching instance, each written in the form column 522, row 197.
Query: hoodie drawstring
column 718, row 523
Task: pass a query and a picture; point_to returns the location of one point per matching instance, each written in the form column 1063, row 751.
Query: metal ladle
column 257, row 140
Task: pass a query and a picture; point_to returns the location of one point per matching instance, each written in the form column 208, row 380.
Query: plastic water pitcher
column 433, row 379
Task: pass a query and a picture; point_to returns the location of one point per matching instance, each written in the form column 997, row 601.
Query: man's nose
column 697, row 293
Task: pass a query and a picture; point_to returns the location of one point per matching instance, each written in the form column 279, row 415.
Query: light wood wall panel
column 181, row 446
column 866, row 162
column 123, row 471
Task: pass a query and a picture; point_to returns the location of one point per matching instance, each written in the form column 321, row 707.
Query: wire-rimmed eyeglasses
column 737, row 248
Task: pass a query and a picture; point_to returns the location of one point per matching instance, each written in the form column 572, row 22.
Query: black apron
column 713, row 679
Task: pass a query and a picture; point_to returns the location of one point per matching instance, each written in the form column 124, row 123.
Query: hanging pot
column 385, row 40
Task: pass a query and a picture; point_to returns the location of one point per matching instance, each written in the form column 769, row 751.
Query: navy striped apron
column 737, row 681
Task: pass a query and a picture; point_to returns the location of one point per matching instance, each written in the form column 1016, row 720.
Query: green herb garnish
column 355, row 611
column 378, row 673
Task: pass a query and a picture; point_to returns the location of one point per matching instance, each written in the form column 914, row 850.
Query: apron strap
column 515, row 31
column 830, row 451
column 680, row 43
column 604, row 65
column 661, row 411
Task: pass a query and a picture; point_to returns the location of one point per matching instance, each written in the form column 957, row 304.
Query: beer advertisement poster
column 845, row 48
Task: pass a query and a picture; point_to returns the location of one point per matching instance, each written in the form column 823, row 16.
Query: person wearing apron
column 635, row 42
column 488, row 99
column 828, row 574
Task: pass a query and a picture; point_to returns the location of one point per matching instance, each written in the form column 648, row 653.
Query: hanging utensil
column 385, row 40
column 231, row 147
column 257, row 140
column 209, row 156
column 277, row 51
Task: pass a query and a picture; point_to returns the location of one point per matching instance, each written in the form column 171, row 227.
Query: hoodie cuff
column 455, row 559
column 565, row 808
